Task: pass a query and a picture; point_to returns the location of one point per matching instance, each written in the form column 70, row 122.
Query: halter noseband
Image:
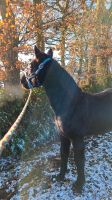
column 40, row 67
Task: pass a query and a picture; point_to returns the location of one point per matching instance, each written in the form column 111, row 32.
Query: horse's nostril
column 23, row 82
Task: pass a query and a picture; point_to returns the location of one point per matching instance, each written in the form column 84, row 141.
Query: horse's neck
column 60, row 88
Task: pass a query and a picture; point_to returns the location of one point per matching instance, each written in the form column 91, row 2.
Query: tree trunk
column 101, row 68
column 11, row 56
column 38, row 26
column 63, row 35
column 3, row 8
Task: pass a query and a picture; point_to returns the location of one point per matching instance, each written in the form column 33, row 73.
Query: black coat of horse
column 78, row 114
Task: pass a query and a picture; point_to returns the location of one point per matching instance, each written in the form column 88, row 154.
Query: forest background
column 79, row 32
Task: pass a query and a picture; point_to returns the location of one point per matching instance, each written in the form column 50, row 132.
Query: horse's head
column 34, row 75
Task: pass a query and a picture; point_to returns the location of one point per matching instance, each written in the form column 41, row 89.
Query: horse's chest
column 59, row 124
column 63, row 125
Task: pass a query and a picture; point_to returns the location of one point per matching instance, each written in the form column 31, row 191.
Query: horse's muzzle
column 23, row 81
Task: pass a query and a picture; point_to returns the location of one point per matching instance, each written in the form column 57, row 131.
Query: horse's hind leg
column 64, row 150
column 79, row 157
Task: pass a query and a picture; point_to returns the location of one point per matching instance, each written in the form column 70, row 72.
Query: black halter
column 35, row 74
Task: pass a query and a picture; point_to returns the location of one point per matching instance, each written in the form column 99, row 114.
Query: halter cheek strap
column 29, row 84
column 40, row 67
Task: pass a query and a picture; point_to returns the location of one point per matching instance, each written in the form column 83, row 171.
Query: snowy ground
column 30, row 178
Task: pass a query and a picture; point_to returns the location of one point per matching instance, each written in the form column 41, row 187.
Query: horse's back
column 103, row 93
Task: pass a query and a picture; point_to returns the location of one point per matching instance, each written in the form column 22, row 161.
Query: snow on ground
column 30, row 178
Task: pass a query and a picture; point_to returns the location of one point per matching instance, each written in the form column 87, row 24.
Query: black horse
column 78, row 114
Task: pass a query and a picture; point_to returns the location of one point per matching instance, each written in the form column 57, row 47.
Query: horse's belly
column 100, row 126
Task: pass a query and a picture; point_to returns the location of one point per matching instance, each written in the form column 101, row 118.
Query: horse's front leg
column 79, row 157
column 64, row 150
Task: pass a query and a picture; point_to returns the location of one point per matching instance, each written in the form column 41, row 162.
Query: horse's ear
column 50, row 53
column 37, row 52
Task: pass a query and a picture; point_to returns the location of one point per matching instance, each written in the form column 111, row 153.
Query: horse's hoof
column 78, row 187
column 60, row 177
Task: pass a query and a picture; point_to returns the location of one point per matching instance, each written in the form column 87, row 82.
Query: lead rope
column 5, row 140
